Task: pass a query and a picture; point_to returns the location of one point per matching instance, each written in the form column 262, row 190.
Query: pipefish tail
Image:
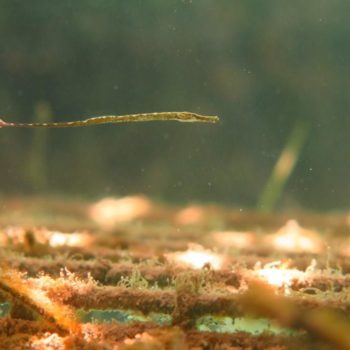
column 110, row 119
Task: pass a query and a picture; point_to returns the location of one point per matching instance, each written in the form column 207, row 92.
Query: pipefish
column 110, row 119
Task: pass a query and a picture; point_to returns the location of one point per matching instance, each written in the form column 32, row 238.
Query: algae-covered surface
column 133, row 273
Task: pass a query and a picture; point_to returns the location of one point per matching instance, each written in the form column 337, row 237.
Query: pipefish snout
column 110, row 119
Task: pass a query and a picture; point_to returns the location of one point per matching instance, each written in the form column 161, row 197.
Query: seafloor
column 128, row 273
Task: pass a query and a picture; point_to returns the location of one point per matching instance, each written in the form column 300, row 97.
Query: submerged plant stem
column 13, row 283
column 284, row 167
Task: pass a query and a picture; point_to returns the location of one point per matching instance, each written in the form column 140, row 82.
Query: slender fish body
column 110, row 119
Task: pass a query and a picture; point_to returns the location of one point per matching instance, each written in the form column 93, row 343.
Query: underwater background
column 261, row 66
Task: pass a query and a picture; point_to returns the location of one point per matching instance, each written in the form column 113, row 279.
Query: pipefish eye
column 188, row 117
column 195, row 118
column 205, row 118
